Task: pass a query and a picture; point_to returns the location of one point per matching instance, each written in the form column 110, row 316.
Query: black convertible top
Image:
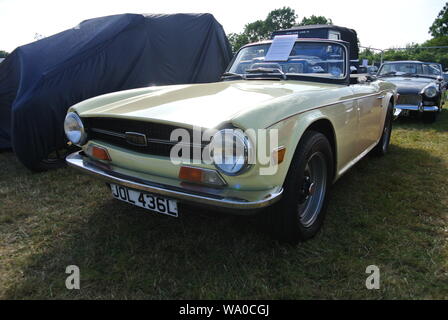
column 321, row 31
column 41, row 80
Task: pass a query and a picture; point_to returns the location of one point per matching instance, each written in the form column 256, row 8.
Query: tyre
column 299, row 215
column 383, row 145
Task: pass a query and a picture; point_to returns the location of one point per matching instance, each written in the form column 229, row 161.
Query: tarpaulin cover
column 41, row 80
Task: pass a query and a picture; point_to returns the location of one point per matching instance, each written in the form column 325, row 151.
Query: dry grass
column 391, row 212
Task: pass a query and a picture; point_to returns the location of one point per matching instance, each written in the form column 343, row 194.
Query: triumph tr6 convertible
column 286, row 121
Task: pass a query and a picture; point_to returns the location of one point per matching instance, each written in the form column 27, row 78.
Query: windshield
column 410, row 69
column 324, row 60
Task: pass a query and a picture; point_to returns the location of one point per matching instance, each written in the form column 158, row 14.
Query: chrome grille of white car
column 157, row 135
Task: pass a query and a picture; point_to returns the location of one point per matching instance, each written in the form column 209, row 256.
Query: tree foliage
column 315, row 20
column 277, row 19
column 237, row 40
column 412, row 52
column 439, row 31
column 440, row 26
column 286, row 17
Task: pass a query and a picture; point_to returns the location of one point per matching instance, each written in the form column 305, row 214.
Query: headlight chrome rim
column 73, row 124
column 244, row 140
column 430, row 92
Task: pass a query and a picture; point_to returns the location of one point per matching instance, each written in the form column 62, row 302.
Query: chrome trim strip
column 417, row 108
column 110, row 133
column 102, row 171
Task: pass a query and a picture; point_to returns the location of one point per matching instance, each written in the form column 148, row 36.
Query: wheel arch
column 291, row 132
column 325, row 126
column 392, row 99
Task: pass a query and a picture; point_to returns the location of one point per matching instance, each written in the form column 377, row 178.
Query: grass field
column 391, row 212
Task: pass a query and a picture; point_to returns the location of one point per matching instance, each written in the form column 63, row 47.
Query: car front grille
column 410, row 99
column 113, row 131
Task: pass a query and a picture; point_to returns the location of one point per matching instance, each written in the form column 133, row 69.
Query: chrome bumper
column 218, row 197
column 420, row 108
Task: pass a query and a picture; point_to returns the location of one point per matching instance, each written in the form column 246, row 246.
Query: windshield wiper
column 268, row 71
column 410, row 75
column 232, row 75
column 392, row 73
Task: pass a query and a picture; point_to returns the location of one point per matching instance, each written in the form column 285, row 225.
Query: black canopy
column 41, row 80
column 322, row 31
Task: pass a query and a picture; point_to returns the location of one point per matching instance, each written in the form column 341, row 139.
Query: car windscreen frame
column 342, row 81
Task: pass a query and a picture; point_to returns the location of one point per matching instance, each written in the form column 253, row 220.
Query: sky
column 380, row 24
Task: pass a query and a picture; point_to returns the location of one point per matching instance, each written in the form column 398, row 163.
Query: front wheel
column 299, row 215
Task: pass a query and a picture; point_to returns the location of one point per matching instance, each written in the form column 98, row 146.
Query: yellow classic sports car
column 285, row 122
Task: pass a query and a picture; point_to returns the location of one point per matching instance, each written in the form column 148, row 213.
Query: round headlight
column 74, row 129
column 430, row 92
column 230, row 151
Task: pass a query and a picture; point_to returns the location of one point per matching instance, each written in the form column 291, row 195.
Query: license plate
column 145, row 200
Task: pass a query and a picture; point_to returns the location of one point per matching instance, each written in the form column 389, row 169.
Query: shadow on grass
column 374, row 218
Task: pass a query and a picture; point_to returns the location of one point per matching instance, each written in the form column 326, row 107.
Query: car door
column 344, row 116
column 369, row 103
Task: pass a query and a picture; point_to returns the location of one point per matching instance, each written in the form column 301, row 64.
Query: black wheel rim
column 312, row 189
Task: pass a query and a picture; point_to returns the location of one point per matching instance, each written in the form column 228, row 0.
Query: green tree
column 439, row 31
column 282, row 18
column 256, row 31
column 440, row 26
column 437, row 42
column 3, row 54
column 369, row 55
column 279, row 19
column 306, row 21
column 237, row 40
column 440, row 55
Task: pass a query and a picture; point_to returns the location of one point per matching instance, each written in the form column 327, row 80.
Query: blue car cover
column 41, row 80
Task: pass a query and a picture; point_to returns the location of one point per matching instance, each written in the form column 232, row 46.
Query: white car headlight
column 230, row 151
column 430, row 92
column 74, row 129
